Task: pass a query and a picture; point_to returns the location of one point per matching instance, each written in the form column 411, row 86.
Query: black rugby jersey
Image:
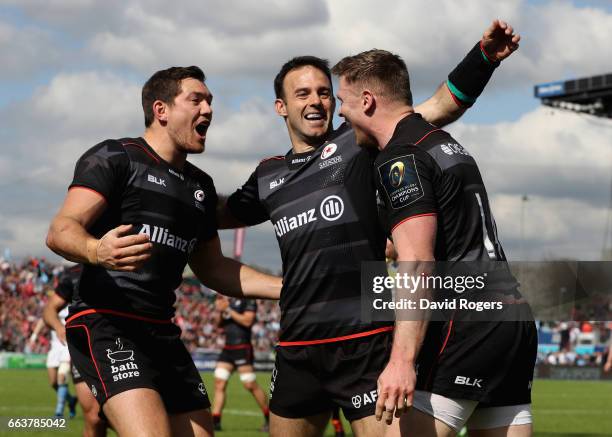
column 175, row 208
column 235, row 333
column 322, row 205
column 68, row 282
column 424, row 171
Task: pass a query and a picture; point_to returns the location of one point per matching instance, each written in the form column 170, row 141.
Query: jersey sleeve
column 103, row 168
column 209, row 228
column 251, row 305
column 404, row 180
column 65, row 288
column 245, row 205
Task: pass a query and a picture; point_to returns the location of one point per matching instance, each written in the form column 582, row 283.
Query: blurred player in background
column 58, row 357
column 54, row 315
column 321, row 200
column 236, row 317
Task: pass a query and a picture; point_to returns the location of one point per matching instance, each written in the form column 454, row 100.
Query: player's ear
column 368, row 102
column 281, row 108
column 160, row 111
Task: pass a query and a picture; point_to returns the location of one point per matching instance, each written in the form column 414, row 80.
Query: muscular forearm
column 68, row 238
column 407, row 340
column 440, row 109
column 231, row 278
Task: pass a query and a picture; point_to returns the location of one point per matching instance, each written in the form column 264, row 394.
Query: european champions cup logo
column 396, row 174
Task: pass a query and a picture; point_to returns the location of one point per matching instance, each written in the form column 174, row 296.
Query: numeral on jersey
column 488, row 244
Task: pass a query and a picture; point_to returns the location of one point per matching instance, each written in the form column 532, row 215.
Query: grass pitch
column 561, row 408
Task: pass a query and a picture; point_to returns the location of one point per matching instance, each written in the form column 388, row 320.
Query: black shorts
column 76, row 376
column 237, row 354
column 485, row 361
column 114, row 354
column 313, row 379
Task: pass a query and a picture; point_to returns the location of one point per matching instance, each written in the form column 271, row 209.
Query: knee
column 248, row 381
column 92, row 417
column 221, row 377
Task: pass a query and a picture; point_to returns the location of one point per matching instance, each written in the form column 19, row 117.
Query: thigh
column 179, row 381
column 295, row 386
column 111, row 356
column 138, row 412
column 197, row 423
column 370, row 427
column 418, row 423
column 86, row 399
column 431, row 411
column 496, row 420
column 311, row 426
column 469, row 365
column 355, row 367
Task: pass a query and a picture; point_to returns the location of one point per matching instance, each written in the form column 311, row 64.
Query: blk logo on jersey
column 401, row 181
column 277, row 183
column 158, row 181
column 470, row 382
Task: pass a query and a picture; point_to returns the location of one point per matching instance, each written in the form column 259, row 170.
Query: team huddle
column 137, row 212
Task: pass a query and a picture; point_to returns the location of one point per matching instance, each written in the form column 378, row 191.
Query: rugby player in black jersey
column 136, row 213
column 236, row 317
column 435, row 207
column 321, row 200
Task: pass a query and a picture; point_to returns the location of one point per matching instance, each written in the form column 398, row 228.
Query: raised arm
column 467, row 81
column 230, row 277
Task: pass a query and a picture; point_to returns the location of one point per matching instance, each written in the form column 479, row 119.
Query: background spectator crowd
column 25, row 287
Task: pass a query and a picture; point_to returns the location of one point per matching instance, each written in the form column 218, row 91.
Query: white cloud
column 24, row 51
column 561, row 161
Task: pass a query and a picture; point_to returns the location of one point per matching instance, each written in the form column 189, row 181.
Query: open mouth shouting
column 201, row 128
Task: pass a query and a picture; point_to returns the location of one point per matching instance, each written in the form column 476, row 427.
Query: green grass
column 561, row 408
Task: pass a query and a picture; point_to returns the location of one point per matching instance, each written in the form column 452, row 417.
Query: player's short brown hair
column 165, row 85
column 383, row 71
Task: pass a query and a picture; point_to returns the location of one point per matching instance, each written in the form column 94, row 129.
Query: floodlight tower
column 588, row 95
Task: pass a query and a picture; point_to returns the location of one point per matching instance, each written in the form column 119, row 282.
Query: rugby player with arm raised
column 321, row 199
column 435, row 207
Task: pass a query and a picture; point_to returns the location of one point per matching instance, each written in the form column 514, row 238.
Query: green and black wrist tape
column 467, row 81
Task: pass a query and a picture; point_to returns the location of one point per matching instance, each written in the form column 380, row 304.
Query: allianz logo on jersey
column 160, row 235
column 330, row 209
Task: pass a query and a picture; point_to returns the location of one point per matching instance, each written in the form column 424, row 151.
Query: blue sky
column 73, row 69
